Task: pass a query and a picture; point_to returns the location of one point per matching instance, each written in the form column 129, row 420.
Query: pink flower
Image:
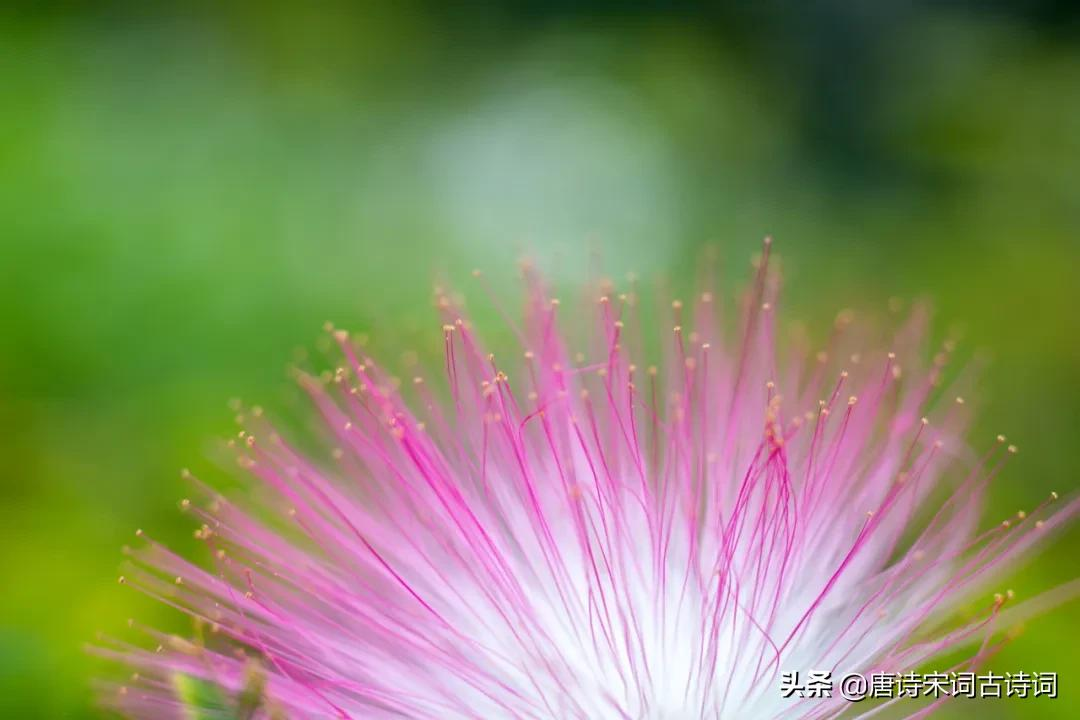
column 587, row 536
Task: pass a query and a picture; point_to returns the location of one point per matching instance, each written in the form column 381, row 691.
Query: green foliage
column 201, row 699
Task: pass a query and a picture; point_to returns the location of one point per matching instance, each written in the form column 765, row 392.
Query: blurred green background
column 186, row 195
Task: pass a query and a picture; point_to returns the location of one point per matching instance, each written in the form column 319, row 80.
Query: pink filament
column 591, row 539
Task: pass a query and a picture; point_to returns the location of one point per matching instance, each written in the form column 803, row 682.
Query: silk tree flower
column 583, row 535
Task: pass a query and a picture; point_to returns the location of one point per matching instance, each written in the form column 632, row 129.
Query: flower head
column 587, row 536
